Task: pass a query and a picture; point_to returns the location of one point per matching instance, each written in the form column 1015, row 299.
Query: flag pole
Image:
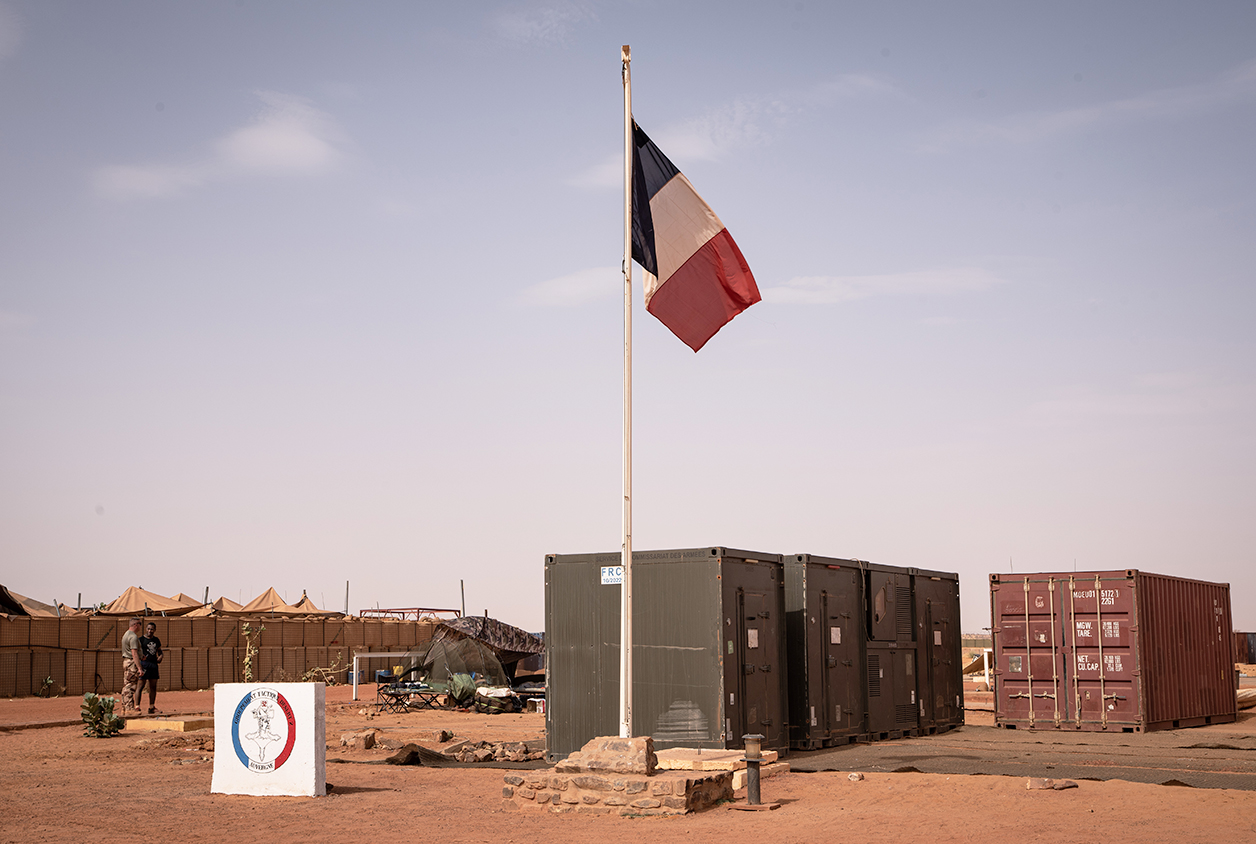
column 625, row 589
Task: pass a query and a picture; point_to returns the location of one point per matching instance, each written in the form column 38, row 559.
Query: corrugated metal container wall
column 581, row 652
column 708, row 649
column 1118, row 650
column 940, row 654
column 1245, row 648
column 891, row 653
column 826, row 633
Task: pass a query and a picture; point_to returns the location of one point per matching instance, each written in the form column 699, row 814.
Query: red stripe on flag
column 708, row 290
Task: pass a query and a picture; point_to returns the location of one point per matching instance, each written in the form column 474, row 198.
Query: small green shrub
column 99, row 718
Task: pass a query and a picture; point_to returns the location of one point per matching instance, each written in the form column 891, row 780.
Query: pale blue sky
column 294, row 293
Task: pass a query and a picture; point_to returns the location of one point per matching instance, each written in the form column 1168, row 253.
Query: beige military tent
column 11, row 603
column 137, row 601
column 270, row 603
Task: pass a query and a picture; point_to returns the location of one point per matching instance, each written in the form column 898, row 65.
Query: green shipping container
column 708, row 648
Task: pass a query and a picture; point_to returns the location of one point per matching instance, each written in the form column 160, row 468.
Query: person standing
column 150, row 656
column 131, row 668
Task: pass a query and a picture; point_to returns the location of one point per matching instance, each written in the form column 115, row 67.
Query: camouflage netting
column 510, row 644
column 439, row 660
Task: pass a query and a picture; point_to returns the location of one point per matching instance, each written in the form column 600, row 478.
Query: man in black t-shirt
column 150, row 656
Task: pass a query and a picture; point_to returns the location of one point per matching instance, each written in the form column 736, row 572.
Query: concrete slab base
column 765, row 771
column 698, row 759
column 179, row 725
column 754, row 807
column 665, row 793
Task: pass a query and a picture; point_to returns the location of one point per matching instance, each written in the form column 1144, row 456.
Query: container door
column 1029, row 652
column 1102, row 683
column 840, row 710
column 880, row 685
column 929, row 665
column 941, row 683
column 760, row 675
column 906, row 702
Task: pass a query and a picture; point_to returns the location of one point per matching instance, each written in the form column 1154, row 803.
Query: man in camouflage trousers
column 131, row 669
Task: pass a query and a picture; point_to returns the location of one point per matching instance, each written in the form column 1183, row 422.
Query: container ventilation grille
column 874, row 675
column 902, row 610
column 904, row 713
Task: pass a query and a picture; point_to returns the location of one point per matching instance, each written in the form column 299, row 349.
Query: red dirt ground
column 57, row 786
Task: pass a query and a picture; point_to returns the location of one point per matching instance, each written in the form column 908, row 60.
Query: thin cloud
column 835, row 290
column 738, row 125
column 578, row 288
column 745, row 123
column 541, row 24
column 1152, row 396
column 289, row 137
column 608, row 173
column 850, row 86
column 1232, row 86
column 147, row 181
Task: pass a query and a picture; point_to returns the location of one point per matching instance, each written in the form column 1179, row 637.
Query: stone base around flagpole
column 612, row 775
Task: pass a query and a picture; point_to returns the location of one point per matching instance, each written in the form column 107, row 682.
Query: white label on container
column 937, row 638
column 752, row 637
column 813, row 716
column 835, row 635
column 612, row 575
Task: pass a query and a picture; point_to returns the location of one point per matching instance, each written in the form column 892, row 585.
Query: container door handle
column 832, row 662
column 747, row 668
column 766, row 669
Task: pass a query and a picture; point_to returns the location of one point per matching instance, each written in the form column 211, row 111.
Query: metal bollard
column 754, row 755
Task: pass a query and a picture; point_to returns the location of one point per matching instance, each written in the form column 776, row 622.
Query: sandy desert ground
column 57, row 786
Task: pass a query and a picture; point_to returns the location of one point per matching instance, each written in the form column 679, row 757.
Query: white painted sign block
column 270, row 739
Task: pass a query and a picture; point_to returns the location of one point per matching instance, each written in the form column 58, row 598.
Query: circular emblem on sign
column 263, row 730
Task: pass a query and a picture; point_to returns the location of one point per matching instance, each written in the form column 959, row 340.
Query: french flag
column 696, row 279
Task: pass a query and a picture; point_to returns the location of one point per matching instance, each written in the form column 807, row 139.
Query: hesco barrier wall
column 70, row 656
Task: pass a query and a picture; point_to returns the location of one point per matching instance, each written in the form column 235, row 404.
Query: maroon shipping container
column 1125, row 651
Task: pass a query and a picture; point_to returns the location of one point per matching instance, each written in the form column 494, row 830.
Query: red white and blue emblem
column 263, row 730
